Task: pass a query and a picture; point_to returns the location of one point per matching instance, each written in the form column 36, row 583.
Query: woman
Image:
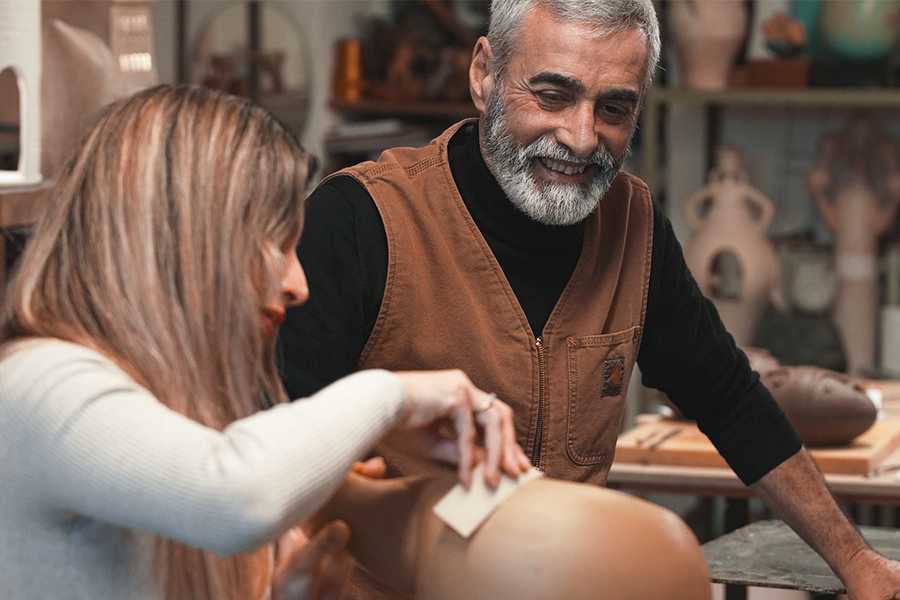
column 137, row 351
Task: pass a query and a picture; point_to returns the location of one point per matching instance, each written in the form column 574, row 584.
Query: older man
column 514, row 247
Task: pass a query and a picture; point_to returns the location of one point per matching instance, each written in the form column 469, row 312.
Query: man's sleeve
column 687, row 354
column 343, row 251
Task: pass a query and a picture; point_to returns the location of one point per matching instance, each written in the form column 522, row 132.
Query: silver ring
column 486, row 404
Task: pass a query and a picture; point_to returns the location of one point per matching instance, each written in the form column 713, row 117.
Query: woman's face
column 292, row 291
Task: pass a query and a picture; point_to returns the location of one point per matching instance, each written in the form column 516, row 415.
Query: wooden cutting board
column 666, row 442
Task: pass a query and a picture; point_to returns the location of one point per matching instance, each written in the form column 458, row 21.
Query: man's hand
column 796, row 491
column 313, row 564
column 874, row 577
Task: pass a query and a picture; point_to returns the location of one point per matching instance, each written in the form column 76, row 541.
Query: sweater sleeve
column 687, row 354
column 86, row 440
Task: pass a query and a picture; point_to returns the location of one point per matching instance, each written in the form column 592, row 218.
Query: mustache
column 547, row 147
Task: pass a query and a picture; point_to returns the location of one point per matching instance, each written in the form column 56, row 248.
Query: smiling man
column 515, row 247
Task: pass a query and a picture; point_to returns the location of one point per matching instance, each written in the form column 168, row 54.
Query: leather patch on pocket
column 613, row 376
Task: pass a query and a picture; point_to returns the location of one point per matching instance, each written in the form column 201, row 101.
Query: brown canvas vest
column 447, row 304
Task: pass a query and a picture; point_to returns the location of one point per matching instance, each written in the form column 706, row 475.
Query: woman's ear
column 481, row 75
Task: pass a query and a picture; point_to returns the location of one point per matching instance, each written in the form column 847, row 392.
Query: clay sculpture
column 856, row 187
column 826, row 408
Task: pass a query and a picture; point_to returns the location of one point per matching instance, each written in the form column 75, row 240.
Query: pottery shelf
column 395, row 122
column 713, row 100
column 404, row 108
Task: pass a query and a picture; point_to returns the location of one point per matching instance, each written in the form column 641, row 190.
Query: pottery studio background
column 356, row 76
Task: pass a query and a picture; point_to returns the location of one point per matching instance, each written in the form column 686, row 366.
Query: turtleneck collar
column 495, row 215
column 537, row 259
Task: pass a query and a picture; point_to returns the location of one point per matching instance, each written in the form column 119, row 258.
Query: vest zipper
column 539, row 429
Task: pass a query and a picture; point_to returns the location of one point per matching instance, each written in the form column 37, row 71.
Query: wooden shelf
column 20, row 206
column 709, row 100
column 402, row 108
column 870, row 97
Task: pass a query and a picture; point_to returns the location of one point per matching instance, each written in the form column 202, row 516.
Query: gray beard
column 548, row 202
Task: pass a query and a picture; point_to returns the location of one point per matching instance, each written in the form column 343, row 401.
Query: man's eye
column 551, row 98
column 614, row 113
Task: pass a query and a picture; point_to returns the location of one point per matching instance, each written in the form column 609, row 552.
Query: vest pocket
column 599, row 371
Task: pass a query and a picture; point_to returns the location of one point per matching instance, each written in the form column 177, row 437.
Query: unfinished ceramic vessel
column 729, row 255
column 825, row 407
column 856, row 186
column 550, row 540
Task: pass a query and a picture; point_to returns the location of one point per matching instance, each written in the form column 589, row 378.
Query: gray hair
column 608, row 16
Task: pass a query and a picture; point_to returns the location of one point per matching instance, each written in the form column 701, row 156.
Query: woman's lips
column 272, row 319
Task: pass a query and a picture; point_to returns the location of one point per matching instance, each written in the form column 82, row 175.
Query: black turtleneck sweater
column 685, row 350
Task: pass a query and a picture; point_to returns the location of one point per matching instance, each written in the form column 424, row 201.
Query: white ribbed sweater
column 88, row 457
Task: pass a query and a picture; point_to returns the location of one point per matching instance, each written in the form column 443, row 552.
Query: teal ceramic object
column 862, row 30
column 807, row 12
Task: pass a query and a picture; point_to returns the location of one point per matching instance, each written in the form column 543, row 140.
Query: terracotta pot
column 707, row 36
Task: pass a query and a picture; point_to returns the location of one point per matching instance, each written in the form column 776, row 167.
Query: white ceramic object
column 20, row 50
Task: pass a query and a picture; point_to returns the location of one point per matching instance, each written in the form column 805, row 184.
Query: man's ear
column 481, row 74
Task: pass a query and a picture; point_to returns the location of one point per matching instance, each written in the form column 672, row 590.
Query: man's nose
column 580, row 131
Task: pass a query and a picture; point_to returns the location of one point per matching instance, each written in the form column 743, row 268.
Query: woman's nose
column 294, row 288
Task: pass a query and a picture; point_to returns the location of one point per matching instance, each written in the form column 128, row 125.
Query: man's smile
column 563, row 171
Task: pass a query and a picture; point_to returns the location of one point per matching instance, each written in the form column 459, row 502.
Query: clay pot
column 707, row 36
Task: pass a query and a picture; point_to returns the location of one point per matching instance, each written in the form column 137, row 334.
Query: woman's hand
column 313, row 564
column 441, row 398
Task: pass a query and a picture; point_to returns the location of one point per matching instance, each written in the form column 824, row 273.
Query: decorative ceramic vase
column 860, row 30
column 734, row 264
column 707, row 36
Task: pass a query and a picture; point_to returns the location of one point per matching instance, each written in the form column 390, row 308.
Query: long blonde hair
column 158, row 248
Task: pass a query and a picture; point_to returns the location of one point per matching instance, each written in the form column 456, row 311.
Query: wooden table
column 770, row 554
column 879, row 487
column 882, row 489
